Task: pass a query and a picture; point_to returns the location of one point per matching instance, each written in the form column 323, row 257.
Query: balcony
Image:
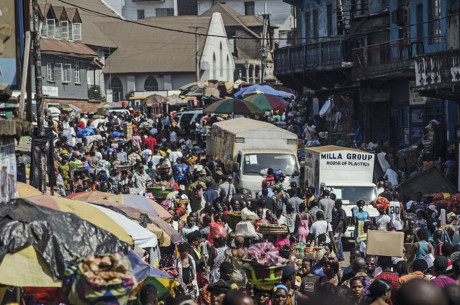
column 438, row 74
column 328, row 55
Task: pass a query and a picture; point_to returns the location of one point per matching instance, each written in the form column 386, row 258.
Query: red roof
column 67, row 48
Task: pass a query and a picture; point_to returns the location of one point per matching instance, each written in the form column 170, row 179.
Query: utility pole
column 38, row 68
column 197, row 52
column 263, row 63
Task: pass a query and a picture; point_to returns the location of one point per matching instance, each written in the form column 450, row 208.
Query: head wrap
column 180, row 211
column 280, row 286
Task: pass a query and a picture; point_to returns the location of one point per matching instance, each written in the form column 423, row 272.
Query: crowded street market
column 197, row 152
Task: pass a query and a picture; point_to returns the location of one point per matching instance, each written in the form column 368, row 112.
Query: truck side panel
column 312, row 173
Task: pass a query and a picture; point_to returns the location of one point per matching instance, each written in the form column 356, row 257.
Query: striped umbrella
column 267, row 102
column 233, row 106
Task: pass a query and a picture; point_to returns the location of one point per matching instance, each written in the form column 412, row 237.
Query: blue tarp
column 263, row 88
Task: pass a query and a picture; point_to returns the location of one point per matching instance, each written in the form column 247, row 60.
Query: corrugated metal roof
column 232, row 18
column 328, row 148
column 143, row 49
column 244, row 124
column 91, row 34
column 64, row 47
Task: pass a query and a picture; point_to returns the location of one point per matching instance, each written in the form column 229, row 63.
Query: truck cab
column 350, row 194
column 251, row 166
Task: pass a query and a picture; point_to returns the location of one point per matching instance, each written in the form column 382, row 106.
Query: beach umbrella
column 267, row 102
column 135, row 201
column 38, row 243
column 26, row 268
column 27, row 190
column 164, row 232
column 233, row 106
column 142, row 237
column 154, row 99
column 85, row 211
column 162, row 281
column 87, row 196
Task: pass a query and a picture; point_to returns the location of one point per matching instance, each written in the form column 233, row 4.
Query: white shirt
column 173, row 136
column 321, row 227
column 392, row 176
column 383, row 162
column 394, row 211
column 382, row 222
column 174, row 156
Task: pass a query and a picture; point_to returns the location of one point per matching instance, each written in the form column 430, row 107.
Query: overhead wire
column 235, row 37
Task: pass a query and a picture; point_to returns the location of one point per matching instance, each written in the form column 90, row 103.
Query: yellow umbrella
column 85, row 211
column 35, row 270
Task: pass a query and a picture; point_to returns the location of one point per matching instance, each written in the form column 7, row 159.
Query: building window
column 221, row 62
column 44, row 30
column 70, row 31
column 434, row 25
column 151, row 84
column 76, row 31
column 58, row 71
column 50, row 25
column 66, row 70
column 77, row 73
column 228, row 69
column 315, row 25
column 214, row 68
column 329, row 20
column 117, row 89
column 249, row 8
column 140, row 14
column 58, row 31
column 364, row 4
column 50, row 72
column 162, row 12
column 307, row 26
column 64, row 25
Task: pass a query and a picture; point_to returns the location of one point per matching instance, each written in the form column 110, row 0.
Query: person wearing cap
column 218, row 291
column 288, row 280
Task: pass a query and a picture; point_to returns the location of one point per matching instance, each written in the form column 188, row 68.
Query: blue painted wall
column 70, row 90
column 428, row 47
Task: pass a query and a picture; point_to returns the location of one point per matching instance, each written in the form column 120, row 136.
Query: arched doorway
column 117, row 89
column 151, row 84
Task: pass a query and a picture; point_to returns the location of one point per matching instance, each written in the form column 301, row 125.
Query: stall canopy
column 262, row 89
column 142, row 237
column 58, row 237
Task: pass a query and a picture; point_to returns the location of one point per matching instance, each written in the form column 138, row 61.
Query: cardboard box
column 128, row 131
column 385, row 243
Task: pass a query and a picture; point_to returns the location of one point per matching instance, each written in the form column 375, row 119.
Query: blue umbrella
column 262, row 88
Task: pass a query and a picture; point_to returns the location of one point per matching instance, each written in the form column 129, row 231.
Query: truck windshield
column 351, row 194
column 257, row 163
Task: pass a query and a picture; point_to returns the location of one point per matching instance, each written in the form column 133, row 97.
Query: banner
column 8, row 186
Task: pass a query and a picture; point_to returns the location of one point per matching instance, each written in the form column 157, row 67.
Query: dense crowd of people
column 96, row 154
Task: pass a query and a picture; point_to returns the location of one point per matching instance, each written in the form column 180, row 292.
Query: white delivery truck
column 346, row 172
column 248, row 148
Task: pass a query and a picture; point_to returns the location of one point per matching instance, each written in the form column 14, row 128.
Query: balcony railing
column 311, row 56
column 442, row 68
column 390, row 56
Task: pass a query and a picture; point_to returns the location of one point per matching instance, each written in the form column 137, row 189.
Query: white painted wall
column 128, row 8
column 212, row 49
column 280, row 11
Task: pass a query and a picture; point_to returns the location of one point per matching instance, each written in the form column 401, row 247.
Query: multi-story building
column 390, row 42
column 245, row 37
column 65, row 58
column 320, row 63
column 281, row 14
column 149, row 59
